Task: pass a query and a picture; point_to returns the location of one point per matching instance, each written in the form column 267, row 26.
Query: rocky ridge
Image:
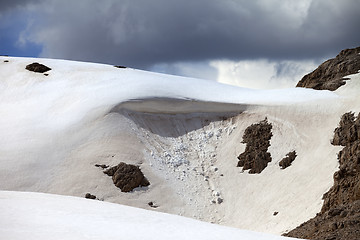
column 330, row 74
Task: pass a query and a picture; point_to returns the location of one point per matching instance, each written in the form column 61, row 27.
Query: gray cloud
column 6, row 5
column 142, row 33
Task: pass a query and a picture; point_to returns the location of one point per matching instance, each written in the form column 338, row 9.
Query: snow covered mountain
column 61, row 128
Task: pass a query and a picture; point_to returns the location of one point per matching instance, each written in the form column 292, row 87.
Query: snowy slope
column 184, row 133
column 43, row 216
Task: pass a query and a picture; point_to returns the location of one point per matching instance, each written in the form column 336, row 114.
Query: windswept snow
column 184, row 133
column 43, row 216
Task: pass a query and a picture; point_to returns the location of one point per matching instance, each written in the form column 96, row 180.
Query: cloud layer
column 142, row 33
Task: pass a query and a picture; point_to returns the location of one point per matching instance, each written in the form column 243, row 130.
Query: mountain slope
column 185, row 134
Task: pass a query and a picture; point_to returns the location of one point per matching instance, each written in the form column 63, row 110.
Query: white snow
column 184, row 133
column 43, row 216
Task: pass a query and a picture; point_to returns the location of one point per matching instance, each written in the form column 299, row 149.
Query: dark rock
column 330, row 74
column 341, row 226
column 103, row 166
column 5, row 61
column 340, row 213
column 347, row 178
column 343, row 214
column 90, row 196
column 275, row 213
column 46, row 74
column 37, row 67
column 127, row 177
column 151, row 204
column 347, row 130
column 257, row 138
column 334, row 212
column 120, row 66
column 286, row 161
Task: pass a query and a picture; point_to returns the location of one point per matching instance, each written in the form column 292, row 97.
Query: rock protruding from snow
column 348, row 130
column 330, row 74
column 346, row 187
column 340, row 214
column 37, row 67
column 256, row 156
column 127, row 177
column 340, row 223
column 90, row 196
column 286, row 161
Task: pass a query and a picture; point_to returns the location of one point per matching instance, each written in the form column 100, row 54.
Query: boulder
column 286, row 161
column 127, row 177
column 90, row 196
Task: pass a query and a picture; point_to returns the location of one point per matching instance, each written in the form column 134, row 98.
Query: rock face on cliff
column 257, row 138
column 346, row 187
column 127, row 177
column 330, row 74
column 340, row 215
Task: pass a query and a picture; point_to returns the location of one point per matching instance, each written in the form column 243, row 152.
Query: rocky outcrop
column 257, row 138
column 347, row 179
column 330, row 74
column 127, row 177
column 286, row 161
column 340, row 223
column 348, row 130
column 340, row 214
column 37, row 67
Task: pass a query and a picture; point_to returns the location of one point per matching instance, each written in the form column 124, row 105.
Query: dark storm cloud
column 142, row 33
column 6, row 5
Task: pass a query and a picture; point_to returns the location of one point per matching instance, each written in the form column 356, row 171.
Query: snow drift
column 43, row 216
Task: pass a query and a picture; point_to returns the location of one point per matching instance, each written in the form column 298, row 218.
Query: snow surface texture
column 43, row 216
column 184, row 133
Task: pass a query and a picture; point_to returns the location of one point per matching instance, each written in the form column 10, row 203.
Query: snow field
column 44, row 216
column 184, row 133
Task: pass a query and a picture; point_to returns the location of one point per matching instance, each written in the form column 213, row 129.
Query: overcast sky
column 251, row 43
